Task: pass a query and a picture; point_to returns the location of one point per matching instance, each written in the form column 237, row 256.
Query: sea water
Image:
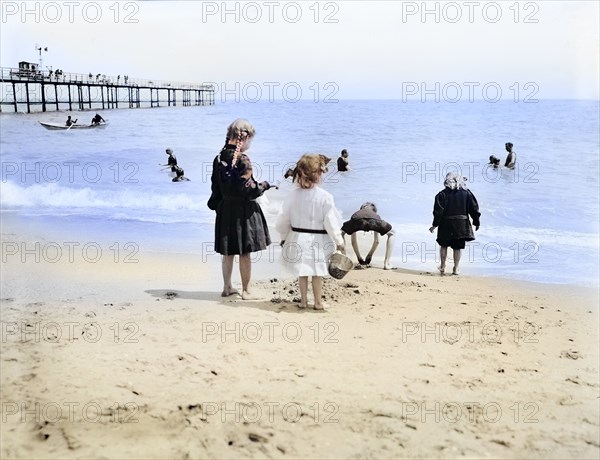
column 539, row 222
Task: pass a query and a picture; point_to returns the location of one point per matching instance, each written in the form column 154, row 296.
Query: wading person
column 171, row 160
column 511, row 158
column 343, row 164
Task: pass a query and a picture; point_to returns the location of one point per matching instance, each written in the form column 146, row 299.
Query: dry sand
column 146, row 360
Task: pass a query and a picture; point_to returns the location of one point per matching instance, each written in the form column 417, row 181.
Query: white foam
column 56, row 196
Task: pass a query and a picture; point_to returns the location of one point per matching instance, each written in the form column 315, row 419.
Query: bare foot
column 388, row 267
column 246, row 295
column 321, row 306
column 229, row 291
column 442, row 270
column 302, row 305
column 455, row 272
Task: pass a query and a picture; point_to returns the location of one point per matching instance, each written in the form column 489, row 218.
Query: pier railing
column 24, row 89
column 9, row 74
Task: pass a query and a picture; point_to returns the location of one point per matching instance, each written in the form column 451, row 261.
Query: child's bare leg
column 389, row 248
column 227, row 268
column 303, row 284
column 443, row 255
column 373, row 248
column 317, row 285
column 457, row 254
column 245, row 273
column 356, row 250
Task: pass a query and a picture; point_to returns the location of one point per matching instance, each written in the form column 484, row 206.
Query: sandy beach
column 144, row 359
column 115, row 340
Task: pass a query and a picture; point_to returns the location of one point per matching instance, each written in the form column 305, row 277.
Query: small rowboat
column 55, row 127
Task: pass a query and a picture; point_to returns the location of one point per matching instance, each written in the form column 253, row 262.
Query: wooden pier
column 71, row 91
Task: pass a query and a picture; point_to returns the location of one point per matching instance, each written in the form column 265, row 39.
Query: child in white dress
column 310, row 225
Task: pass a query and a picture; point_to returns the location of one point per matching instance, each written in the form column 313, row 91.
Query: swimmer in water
column 511, row 158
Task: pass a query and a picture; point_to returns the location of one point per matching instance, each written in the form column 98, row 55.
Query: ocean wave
column 506, row 236
column 55, row 196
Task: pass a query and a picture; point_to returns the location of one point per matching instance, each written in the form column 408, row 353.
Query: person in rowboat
column 97, row 120
column 70, row 121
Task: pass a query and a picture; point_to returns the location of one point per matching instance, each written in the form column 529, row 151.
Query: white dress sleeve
column 284, row 225
column 333, row 221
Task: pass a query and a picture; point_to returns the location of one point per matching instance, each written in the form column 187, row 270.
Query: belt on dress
column 460, row 216
column 308, row 230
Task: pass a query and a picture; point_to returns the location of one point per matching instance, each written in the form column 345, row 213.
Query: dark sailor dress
column 240, row 225
column 451, row 211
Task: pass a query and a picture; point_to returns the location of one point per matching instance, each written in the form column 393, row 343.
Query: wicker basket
column 339, row 265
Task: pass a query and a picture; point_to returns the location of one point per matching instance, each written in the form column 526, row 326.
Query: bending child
column 310, row 225
column 366, row 219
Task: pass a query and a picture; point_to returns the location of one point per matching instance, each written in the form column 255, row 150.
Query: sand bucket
column 339, row 265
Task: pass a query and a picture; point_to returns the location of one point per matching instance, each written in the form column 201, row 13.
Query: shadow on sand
column 234, row 301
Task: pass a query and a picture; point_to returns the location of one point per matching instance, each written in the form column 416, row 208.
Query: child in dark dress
column 240, row 225
column 451, row 210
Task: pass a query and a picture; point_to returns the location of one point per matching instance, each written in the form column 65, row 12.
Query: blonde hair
column 455, row 181
column 308, row 171
column 237, row 132
column 240, row 128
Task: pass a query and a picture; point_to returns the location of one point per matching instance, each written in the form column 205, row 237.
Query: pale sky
column 363, row 49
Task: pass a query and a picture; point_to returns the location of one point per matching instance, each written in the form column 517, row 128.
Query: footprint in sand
column 43, row 430
column 34, row 304
column 192, row 408
column 501, row 442
column 257, row 438
column 571, row 354
column 28, row 377
column 568, row 401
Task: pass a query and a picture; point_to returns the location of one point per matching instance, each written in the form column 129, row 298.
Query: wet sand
column 145, row 359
